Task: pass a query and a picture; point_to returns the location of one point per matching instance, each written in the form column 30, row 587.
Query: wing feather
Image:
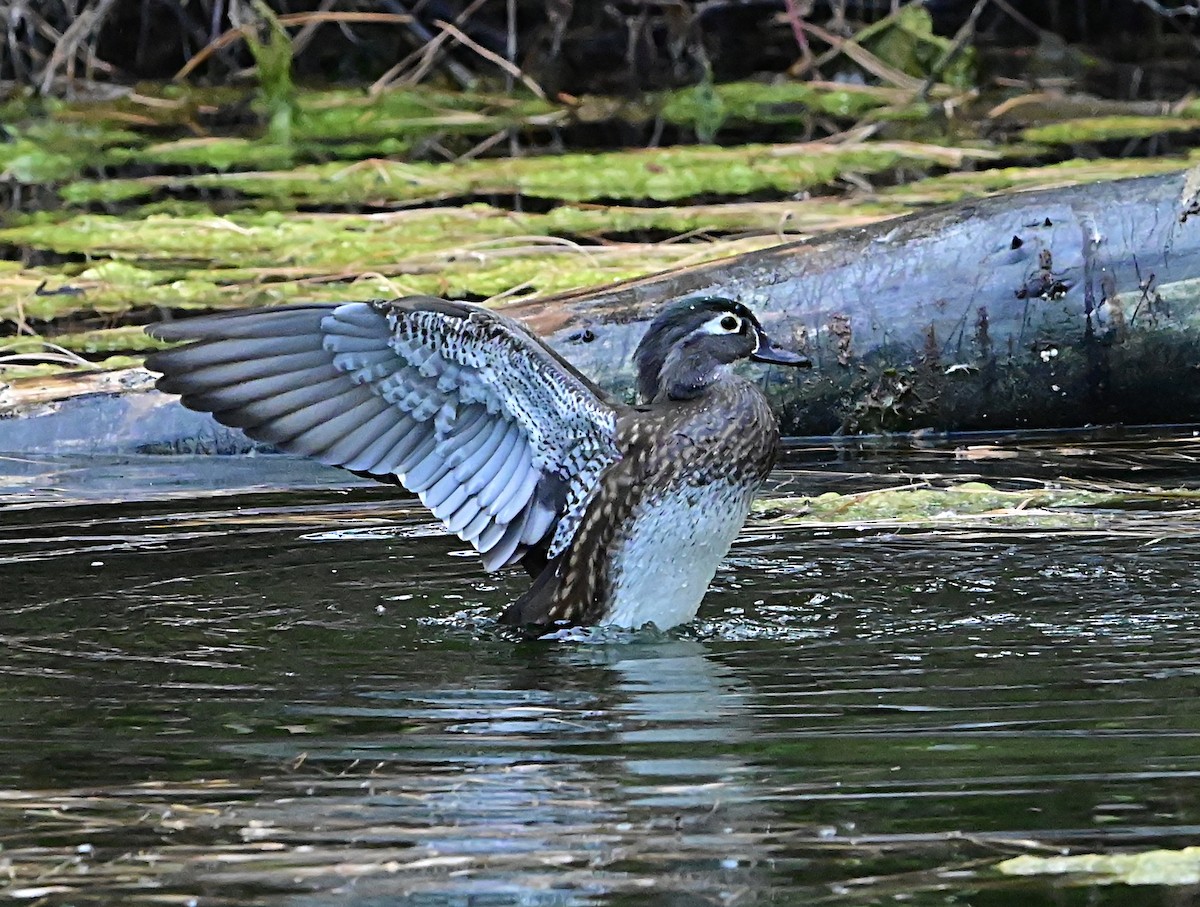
column 190, row 359
column 517, row 495
column 500, row 438
column 417, row 457
column 445, row 497
column 224, row 374
column 478, row 523
column 316, row 441
column 478, row 451
column 493, row 469
column 289, row 427
column 506, row 476
column 389, row 459
column 349, row 448
column 464, row 516
column 241, row 413
column 233, row 396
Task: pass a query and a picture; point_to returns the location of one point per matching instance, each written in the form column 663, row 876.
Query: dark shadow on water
column 254, row 682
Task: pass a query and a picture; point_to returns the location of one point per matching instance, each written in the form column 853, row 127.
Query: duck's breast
column 662, row 565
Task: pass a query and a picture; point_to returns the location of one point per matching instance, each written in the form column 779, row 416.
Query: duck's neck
column 687, row 372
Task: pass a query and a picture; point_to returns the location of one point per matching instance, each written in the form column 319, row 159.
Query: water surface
column 259, row 682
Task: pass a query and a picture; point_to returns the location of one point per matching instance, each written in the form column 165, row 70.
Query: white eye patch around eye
column 722, row 324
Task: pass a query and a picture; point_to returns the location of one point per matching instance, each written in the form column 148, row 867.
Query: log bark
column 1058, row 308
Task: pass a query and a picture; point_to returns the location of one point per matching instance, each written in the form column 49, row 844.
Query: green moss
column 1101, row 129
column 101, row 192
column 755, row 102
column 663, row 174
column 952, row 187
column 906, row 41
column 119, row 272
column 272, row 50
column 270, row 258
column 110, row 340
column 50, row 369
column 354, row 116
column 48, row 152
column 159, row 258
column 213, row 153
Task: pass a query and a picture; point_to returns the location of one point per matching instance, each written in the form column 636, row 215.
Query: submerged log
column 1058, row 308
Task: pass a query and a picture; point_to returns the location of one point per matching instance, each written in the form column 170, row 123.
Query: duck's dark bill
column 769, row 352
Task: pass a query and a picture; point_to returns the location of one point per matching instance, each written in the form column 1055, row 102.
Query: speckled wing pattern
column 500, row 438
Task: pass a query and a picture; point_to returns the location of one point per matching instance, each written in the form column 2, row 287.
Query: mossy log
column 1051, row 309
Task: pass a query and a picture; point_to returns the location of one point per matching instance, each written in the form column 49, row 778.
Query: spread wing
column 500, row 438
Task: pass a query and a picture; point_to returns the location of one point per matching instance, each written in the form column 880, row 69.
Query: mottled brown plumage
column 729, row 432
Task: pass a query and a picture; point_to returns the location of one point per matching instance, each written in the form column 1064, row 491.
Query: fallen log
column 1050, row 309
column 1057, row 308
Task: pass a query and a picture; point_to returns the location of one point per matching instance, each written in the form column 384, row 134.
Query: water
column 296, row 694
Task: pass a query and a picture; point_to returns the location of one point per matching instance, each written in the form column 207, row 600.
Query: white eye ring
column 724, row 324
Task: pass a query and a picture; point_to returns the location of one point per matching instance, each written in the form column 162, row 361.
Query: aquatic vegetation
column 190, row 258
column 951, row 187
column 1151, row 867
column 264, row 258
column 1103, row 129
column 923, row 505
column 49, row 152
column 658, row 174
column 906, row 41
column 197, row 198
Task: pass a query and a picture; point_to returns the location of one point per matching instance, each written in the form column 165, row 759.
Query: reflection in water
column 302, row 698
column 508, row 784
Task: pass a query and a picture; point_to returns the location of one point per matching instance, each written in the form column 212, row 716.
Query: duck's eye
column 729, row 323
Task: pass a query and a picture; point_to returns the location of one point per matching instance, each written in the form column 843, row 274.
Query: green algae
column 213, row 152
column 193, row 259
column 339, row 115
column 1151, row 867
column 296, row 127
column 926, row 506
column 273, row 70
column 349, row 126
column 321, row 242
column 315, row 243
column 15, row 372
column 175, row 252
column 341, row 124
column 102, row 342
column 1101, row 129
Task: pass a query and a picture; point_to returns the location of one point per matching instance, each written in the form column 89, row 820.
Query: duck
column 619, row 512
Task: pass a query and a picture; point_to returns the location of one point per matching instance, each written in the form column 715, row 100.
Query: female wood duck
column 621, row 513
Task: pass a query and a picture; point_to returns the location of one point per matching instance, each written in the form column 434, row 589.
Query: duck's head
column 689, row 344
